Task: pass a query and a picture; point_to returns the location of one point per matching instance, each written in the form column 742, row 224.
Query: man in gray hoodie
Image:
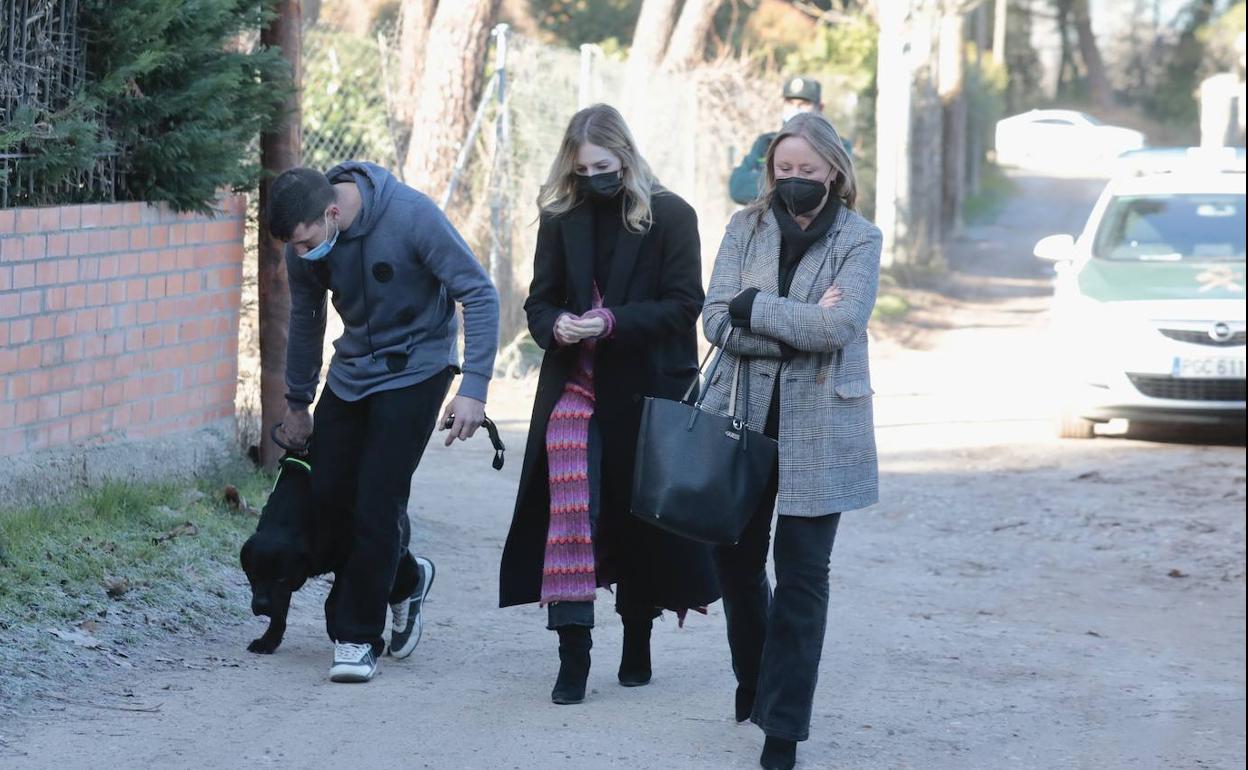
column 395, row 268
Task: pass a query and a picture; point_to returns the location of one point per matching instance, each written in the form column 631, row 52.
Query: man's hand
column 296, row 427
column 830, row 298
column 462, row 417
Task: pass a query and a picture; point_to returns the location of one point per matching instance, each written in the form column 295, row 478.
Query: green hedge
column 172, row 93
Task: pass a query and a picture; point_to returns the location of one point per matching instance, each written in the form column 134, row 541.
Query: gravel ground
column 1014, row 601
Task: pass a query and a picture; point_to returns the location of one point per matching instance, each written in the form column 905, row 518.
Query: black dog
column 290, row 545
column 285, row 551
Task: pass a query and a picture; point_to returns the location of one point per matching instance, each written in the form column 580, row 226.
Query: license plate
column 1208, row 368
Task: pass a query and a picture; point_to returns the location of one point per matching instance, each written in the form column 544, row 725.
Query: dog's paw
column 263, row 646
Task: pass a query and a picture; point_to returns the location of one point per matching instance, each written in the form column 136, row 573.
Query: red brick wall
column 117, row 322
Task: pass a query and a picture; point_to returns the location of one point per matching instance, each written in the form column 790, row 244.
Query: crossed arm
column 777, row 322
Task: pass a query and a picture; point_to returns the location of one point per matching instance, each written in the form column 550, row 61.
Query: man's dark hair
column 299, row 196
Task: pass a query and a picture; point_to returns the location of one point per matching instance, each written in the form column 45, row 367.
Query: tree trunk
column 280, row 149
column 999, row 14
column 975, row 131
column 415, row 16
column 893, row 108
column 688, row 46
column 650, row 36
column 1067, row 71
column 1093, row 65
column 954, row 120
column 449, row 89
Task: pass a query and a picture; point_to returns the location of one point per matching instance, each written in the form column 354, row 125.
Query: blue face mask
column 318, row 253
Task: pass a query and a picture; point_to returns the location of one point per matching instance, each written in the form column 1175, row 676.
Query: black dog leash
column 496, row 441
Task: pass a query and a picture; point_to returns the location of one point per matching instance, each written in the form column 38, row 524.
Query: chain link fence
column 348, row 112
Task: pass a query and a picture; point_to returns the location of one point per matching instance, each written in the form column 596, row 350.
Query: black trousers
column 776, row 640
column 363, row 455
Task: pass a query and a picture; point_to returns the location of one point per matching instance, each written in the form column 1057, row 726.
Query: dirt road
column 1014, row 601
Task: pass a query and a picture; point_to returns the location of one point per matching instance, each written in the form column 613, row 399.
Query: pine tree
column 183, row 103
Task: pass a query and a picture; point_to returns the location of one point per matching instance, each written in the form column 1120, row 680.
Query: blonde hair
column 822, row 137
column 600, row 124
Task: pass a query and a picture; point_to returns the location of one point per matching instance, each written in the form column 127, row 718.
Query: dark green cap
column 803, row 88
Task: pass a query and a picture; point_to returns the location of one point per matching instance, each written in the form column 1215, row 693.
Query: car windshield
column 1173, row 228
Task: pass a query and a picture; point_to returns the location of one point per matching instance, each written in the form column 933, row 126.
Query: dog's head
column 276, row 567
column 276, row 558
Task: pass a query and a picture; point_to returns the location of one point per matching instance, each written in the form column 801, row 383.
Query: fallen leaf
column 1098, row 636
column 187, row 529
column 236, row 502
column 116, row 587
column 1090, row 476
column 1176, row 573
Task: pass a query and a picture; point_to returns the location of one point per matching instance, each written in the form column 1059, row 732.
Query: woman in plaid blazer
column 793, row 287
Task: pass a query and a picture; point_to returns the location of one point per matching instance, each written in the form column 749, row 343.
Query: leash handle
column 273, row 434
column 497, row 441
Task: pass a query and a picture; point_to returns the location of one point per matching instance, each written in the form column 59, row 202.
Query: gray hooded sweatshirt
column 395, row 275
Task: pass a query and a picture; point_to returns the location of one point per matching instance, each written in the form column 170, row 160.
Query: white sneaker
column 407, row 623
column 353, row 663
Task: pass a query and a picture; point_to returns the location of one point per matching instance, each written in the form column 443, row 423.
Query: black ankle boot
column 574, row 645
column 745, row 704
column 635, row 660
column 778, row 754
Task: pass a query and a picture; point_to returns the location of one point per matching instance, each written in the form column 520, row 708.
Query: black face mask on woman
column 604, row 186
column 800, row 196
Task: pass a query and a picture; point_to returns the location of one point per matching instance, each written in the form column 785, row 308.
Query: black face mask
column 604, row 186
column 800, row 196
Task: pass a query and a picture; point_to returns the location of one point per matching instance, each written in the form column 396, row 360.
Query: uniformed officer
column 800, row 95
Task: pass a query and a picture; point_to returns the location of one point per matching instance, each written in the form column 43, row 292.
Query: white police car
column 1148, row 313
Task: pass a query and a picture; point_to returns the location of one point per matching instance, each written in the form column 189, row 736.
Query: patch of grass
column 890, row 307
column 995, row 188
column 57, row 560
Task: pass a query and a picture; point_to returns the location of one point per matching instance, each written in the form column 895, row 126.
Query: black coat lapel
column 622, row 263
column 578, row 248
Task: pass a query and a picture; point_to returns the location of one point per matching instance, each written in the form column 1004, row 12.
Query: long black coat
column 654, row 289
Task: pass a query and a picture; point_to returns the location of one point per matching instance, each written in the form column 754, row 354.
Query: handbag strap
column 694, row 383
column 734, row 394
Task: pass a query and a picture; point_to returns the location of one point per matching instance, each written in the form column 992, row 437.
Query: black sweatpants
column 364, row 454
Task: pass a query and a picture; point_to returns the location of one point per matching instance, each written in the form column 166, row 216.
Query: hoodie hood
column 377, row 187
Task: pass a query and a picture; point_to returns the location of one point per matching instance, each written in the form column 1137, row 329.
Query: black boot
column 574, row 645
column 635, row 661
column 778, row 754
column 745, row 703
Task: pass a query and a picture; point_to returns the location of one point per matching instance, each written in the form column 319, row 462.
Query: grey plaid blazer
column 827, row 433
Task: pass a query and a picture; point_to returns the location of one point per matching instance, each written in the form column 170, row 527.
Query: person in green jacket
column 800, row 95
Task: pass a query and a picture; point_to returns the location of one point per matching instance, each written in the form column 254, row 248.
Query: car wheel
column 1070, row 426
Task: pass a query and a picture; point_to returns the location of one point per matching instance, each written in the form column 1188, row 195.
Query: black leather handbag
column 701, row 475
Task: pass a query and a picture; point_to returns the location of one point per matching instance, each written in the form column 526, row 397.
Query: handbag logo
column 733, row 436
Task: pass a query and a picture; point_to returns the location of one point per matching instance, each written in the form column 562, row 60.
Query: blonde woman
column 792, row 289
column 615, row 296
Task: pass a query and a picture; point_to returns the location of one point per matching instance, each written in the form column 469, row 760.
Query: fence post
column 464, row 149
column 500, row 188
column 585, row 94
